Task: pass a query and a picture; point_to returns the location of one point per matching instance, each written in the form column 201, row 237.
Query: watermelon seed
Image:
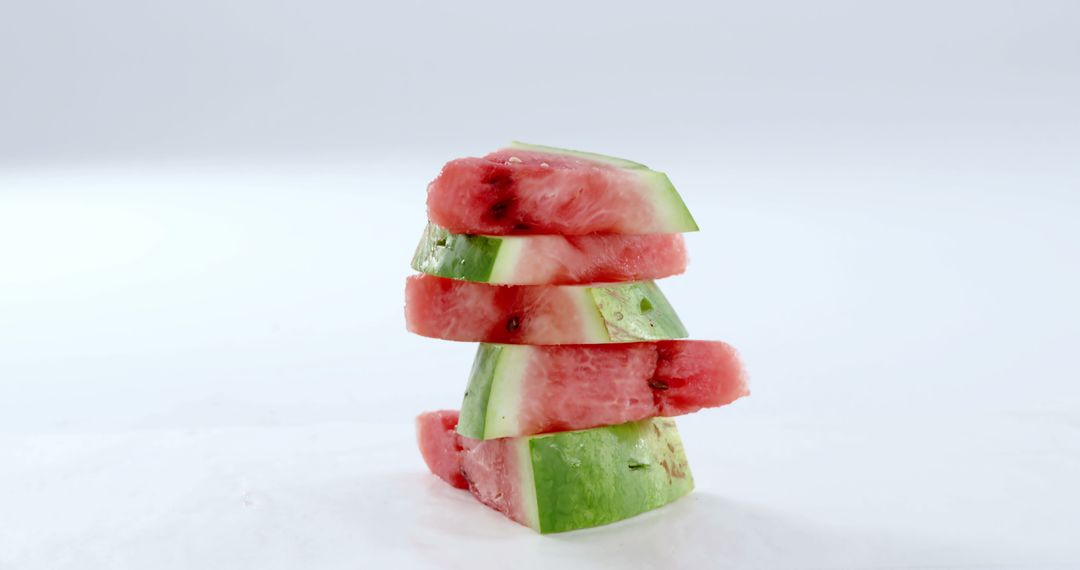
column 658, row 384
column 513, row 323
column 545, row 165
column 513, row 159
column 499, row 209
column 635, row 466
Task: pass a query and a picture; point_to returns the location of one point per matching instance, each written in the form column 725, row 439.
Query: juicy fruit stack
column 546, row 258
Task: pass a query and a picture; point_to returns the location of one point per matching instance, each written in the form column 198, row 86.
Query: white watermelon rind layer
column 492, row 400
column 506, row 262
column 670, row 207
column 505, row 390
column 527, row 483
column 592, row 320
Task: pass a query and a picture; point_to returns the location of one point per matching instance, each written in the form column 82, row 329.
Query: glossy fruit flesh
column 524, row 390
column 529, row 189
column 538, row 314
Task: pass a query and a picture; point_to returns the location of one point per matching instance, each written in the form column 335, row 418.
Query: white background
column 207, row 211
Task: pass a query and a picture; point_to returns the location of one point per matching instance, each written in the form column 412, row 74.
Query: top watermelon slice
column 530, row 189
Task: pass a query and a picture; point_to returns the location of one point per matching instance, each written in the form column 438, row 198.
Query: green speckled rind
column 474, row 407
column 456, row 256
column 637, row 311
column 598, row 476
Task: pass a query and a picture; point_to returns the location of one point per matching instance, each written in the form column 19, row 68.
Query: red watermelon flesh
column 602, row 259
column 541, row 190
column 488, row 469
column 527, row 390
column 578, row 387
column 461, row 310
column 441, row 446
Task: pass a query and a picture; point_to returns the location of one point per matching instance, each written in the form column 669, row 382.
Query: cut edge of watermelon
column 439, row 446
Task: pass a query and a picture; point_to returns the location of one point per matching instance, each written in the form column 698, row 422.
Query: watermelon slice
column 538, row 314
column 524, row 390
column 439, row 446
column 563, row 481
column 529, row 189
column 549, row 260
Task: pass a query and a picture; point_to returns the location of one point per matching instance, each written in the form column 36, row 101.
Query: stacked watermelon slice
column 546, row 258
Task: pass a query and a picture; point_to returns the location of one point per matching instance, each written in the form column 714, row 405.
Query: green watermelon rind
column 602, row 475
column 637, row 310
column 458, row 256
column 472, row 421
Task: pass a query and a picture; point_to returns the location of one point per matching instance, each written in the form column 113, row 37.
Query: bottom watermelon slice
column 562, row 481
column 525, row 390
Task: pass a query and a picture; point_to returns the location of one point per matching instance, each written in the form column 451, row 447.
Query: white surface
column 205, row 367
